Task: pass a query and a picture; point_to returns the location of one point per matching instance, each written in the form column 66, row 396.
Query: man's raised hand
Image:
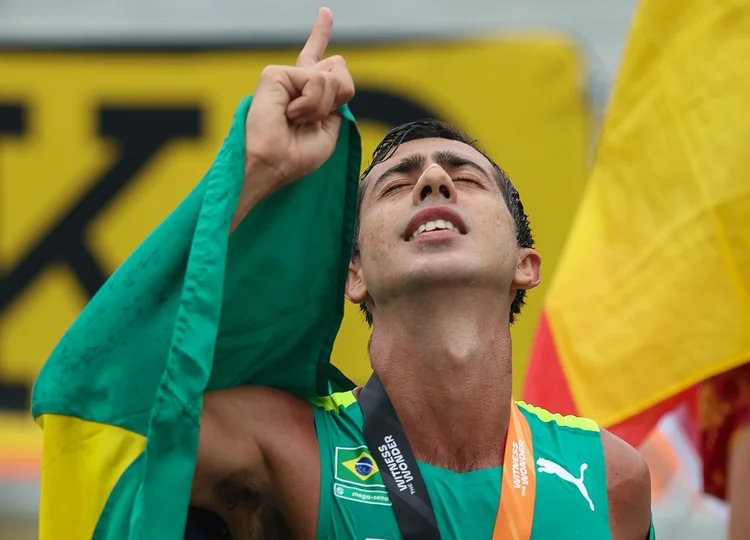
column 292, row 124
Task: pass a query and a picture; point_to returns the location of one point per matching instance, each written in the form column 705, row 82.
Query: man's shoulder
column 336, row 402
column 266, row 395
column 627, row 475
column 265, row 406
column 255, row 409
column 568, row 421
column 628, row 488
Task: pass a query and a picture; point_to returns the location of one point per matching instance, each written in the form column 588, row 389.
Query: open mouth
column 434, row 222
column 434, row 225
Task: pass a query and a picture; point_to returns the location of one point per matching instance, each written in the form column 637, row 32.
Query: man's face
column 433, row 214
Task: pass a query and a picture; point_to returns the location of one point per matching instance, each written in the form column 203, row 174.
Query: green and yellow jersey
column 571, row 487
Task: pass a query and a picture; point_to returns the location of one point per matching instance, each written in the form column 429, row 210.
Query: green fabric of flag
column 191, row 310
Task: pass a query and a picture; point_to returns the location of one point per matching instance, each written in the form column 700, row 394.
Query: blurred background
column 81, row 81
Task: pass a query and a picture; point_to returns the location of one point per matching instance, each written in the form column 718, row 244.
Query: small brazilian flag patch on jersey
column 362, row 466
column 357, row 466
column 358, row 478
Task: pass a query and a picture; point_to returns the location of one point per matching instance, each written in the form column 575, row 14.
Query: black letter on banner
column 13, row 396
column 139, row 133
column 388, row 108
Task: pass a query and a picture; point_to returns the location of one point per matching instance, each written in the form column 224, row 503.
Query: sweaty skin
column 440, row 304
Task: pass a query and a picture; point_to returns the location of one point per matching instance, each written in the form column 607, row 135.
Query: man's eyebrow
column 410, row 163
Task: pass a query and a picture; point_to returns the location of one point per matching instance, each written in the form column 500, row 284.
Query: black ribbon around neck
column 390, row 448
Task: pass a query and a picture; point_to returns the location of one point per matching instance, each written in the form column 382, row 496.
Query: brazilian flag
column 191, row 310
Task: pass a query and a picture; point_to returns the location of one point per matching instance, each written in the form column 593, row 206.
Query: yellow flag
column 652, row 293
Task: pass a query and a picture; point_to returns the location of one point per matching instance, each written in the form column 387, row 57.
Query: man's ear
column 356, row 290
column 528, row 272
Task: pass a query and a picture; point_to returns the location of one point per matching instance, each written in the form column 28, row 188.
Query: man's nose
column 435, row 181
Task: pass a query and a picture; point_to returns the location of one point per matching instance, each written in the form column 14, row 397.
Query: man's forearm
column 256, row 174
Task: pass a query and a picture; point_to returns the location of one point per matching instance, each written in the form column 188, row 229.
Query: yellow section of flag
column 651, row 295
column 81, row 465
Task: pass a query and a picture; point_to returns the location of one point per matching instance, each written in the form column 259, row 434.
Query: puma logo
column 549, row 467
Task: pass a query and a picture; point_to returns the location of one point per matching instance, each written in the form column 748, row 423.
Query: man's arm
column 250, row 441
column 227, row 445
column 132, row 368
column 628, row 489
column 238, row 426
column 739, row 484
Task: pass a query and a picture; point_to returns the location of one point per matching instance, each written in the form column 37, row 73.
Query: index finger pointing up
column 315, row 48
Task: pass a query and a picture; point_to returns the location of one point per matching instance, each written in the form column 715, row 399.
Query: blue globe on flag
column 364, row 466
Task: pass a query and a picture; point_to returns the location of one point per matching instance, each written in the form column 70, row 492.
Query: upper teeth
column 432, row 225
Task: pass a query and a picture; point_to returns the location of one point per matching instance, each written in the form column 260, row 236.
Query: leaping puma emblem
column 549, row 467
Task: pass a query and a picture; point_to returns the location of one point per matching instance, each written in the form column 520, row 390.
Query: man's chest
column 354, row 502
column 570, row 499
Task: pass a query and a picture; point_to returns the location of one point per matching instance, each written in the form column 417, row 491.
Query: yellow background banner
column 97, row 147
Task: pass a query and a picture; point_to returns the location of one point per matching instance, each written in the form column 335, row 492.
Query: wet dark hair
column 434, row 129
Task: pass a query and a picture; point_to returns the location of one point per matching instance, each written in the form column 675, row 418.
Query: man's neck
column 446, row 365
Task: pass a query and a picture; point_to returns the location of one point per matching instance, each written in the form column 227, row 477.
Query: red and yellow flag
column 652, row 293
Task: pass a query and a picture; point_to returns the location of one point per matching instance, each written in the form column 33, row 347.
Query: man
column 443, row 259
